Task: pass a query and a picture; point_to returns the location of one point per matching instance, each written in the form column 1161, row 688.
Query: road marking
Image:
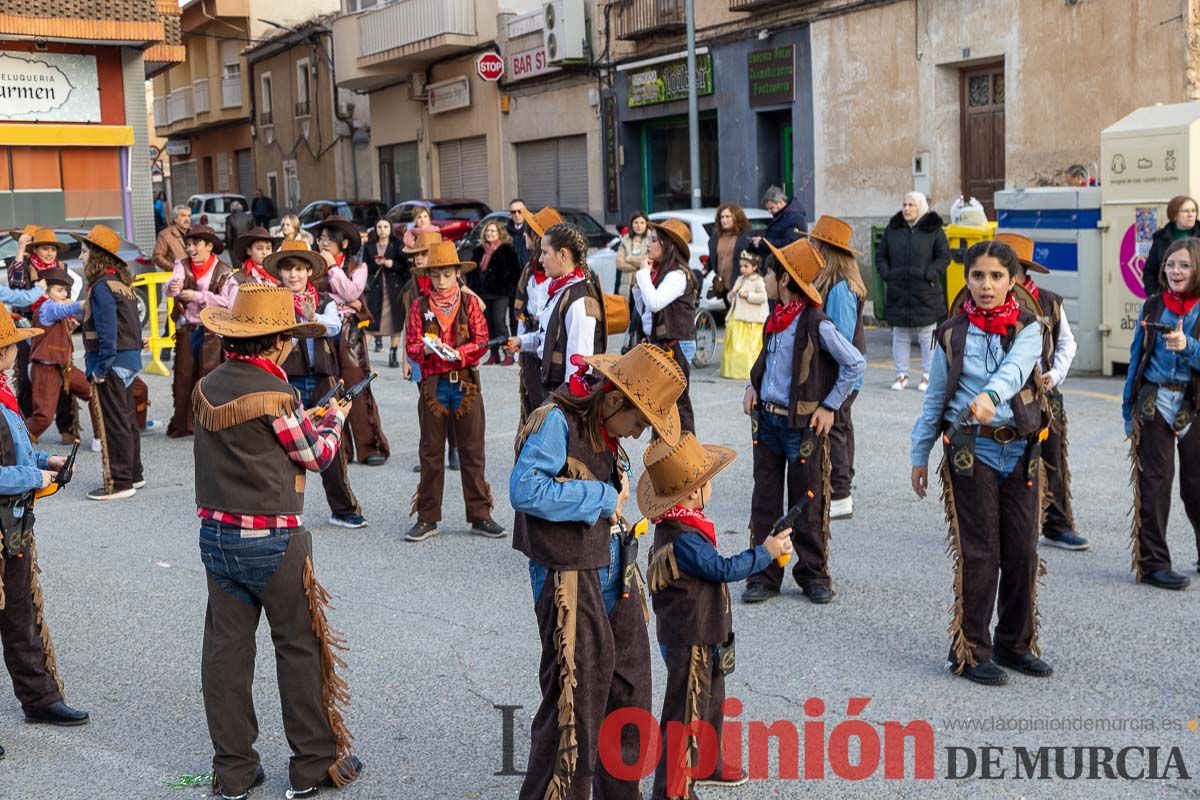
column 1106, row 396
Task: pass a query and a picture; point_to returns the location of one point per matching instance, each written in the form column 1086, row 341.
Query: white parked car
column 703, row 223
column 213, row 209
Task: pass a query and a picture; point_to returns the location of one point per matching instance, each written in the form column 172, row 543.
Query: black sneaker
column 355, row 765
column 758, row 592
column 260, row 775
column 417, row 467
column 1067, row 540
column 452, row 460
column 985, row 673
column 489, row 528
column 421, row 531
column 1028, row 664
column 817, row 592
column 348, row 520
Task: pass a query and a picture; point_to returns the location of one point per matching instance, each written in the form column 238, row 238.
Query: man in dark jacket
column 238, row 223
column 516, row 229
column 787, row 221
column 263, row 208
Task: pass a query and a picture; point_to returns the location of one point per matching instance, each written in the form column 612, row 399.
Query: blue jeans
column 774, row 432
column 610, row 576
column 240, row 564
column 450, row 395
column 307, row 385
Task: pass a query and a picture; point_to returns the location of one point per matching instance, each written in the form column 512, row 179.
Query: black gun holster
column 629, row 562
column 962, row 451
column 17, row 530
column 727, row 656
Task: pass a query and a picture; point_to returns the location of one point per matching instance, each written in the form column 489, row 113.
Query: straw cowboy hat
column 45, row 236
column 543, row 220
column 803, row 263
column 259, row 310
column 101, row 237
column 294, row 248
column 345, row 229
column 1023, row 247
column 673, row 471
column 10, row 333
column 205, row 234
column 444, row 254
column 241, row 245
column 56, row 275
column 833, row 231
column 680, row 234
column 423, row 241
column 649, row 377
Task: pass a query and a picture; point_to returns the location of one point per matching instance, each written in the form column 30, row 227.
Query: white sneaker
column 924, row 384
column 102, row 494
column 139, row 484
column 154, row 425
column 841, row 509
column 900, row 384
column 95, row 445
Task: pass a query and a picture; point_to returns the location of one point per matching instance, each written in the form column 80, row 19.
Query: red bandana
column 1032, row 287
column 560, row 283
column 7, row 398
column 424, row 286
column 694, row 519
column 256, row 271
column 1181, row 306
column 39, row 265
column 310, row 291
column 199, row 271
column 539, row 274
column 262, row 363
column 783, row 316
column 993, row 320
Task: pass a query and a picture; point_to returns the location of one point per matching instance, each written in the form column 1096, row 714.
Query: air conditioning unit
column 416, row 87
column 565, row 30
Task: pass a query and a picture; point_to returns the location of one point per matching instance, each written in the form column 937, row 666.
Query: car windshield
column 196, row 205
column 584, row 222
column 469, row 212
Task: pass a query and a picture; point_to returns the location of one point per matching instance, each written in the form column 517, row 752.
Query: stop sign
column 490, row 67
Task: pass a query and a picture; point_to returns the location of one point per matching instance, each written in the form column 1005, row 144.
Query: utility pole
column 693, row 110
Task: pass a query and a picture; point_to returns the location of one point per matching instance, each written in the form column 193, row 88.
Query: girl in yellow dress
column 744, row 322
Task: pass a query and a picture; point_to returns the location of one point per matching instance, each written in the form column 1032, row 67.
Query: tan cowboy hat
column 834, row 232
column 346, row 229
column 673, row 471
column 680, row 234
column 241, row 245
column 45, row 236
column 205, row 234
column 649, row 377
column 543, row 221
column 444, row 254
column 10, row 333
column 294, row 248
column 17, row 233
column 1023, row 247
column 259, row 310
column 803, row 263
column 101, row 237
column 423, row 241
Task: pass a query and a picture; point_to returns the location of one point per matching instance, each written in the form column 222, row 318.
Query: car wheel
column 142, row 306
column 706, row 339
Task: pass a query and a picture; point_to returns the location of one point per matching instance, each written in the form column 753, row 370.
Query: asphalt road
column 443, row 631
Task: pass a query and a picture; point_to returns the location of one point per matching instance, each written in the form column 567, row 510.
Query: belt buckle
column 1004, row 435
column 453, row 377
column 255, row 533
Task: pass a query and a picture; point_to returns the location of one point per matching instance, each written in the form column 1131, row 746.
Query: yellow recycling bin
column 962, row 237
column 155, row 284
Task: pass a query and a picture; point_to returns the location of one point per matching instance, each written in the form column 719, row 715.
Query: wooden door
column 982, row 130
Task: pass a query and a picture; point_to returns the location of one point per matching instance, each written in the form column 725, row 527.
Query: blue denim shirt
column 1009, row 373
column 777, row 374
column 533, row 488
column 26, row 474
column 841, row 306
column 1164, row 366
column 697, row 556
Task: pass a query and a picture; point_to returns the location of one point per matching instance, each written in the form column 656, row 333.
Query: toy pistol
column 629, row 551
column 790, row 520
column 1161, row 327
column 62, row 477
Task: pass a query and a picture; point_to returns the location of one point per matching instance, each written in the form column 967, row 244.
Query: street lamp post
column 693, row 110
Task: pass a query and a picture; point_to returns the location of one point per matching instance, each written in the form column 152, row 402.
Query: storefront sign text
column 49, row 87
column 662, row 83
column 529, row 64
column 612, row 199
column 773, row 76
column 449, row 95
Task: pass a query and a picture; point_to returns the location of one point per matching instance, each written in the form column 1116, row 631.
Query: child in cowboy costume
column 803, row 375
column 984, row 400
column 249, row 252
column 568, row 489
column 312, row 366
column 451, row 395
column 1058, row 351
column 687, row 580
column 52, row 371
column 254, row 443
column 530, row 300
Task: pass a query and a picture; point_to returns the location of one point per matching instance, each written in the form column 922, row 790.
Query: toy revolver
column 342, row 394
column 1161, row 327
column 629, row 551
column 790, row 520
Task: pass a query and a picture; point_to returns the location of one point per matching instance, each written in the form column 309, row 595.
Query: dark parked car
column 364, row 213
column 597, row 235
column 454, row 217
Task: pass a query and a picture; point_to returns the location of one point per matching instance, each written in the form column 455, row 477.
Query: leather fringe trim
column 39, row 617
column 1135, row 480
column 1038, row 574
column 243, row 409
column 1068, row 504
column 699, row 677
column 826, row 500
column 66, row 390
column 566, row 605
column 964, row 654
column 664, row 570
column 429, row 397
column 98, row 416
column 335, row 693
column 468, row 401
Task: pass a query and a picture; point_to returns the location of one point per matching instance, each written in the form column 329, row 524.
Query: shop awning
column 66, row 135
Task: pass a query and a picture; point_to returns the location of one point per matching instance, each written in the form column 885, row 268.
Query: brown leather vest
column 240, row 466
column 54, row 346
column 689, row 610
column 566, row 545
column 814, row 371
column 554, row 347
column 1052, row 311
column 677, row 321
column 462, row 321
column 129, row 324
column 324, row 360
column 221, row 273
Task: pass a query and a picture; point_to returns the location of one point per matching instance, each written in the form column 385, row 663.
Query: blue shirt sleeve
column 696, row 556
column 851, row 364
column 104, row 315
column 51, row 312
column 1135, row 358
column 841, row 306
column 533, row 487
column 19, row 298
column 925, row 430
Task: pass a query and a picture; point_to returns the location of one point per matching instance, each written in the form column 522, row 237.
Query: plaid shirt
column 313, row 447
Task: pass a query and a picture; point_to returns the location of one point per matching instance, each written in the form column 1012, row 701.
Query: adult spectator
column 911, row 258
column 1181, row 223
column 169, row 247
column 160, row 212
column 786, row 225
column 632, row 251
column 290, row 230
column 730, row 237
column 516, row 229
column 387, row 273
column 238, row 223
column 263, row 208
column 495, row 281
column 1077, row 175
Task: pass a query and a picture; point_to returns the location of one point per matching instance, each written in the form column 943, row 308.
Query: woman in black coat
column 1181, row 224
column 495, row 281
column 911, row 258
column 387, row 272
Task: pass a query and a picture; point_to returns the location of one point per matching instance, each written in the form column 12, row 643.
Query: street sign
column 490, row 66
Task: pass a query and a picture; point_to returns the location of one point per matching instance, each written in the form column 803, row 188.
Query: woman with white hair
column 911, row 257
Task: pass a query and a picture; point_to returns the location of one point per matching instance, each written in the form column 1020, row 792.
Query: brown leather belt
column 1004, row 434
column 774, row 409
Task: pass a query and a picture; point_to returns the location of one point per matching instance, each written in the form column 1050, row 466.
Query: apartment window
column 231, row 64
column 303, row 95
column 265, row 104
column 291, row 185
column 273, row 186
column 361, row 5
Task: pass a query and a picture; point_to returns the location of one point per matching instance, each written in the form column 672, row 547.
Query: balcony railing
column 303, row 109
column 179, row 105
column 160, row 112
column 406, row 22
column 641, row 18
column 755, row 5
column 231, row 92
column 200, row 95
column 266, row 118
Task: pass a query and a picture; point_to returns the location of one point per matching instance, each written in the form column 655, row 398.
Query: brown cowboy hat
column 673, row 471
column 680, row 234
column 543, row 221
column 344, row 228
column 17, row 233
column 205, row 234
column 834, row 232
column 423, row 241
column 10, row 333
column 241, row 245
column 801, row 261
column 1023, row 247
column 45, row 236
column 259, row 310
column 444, row 254
column 101, row 237
column 294, row 248
column 56, row 275
column 649, row 377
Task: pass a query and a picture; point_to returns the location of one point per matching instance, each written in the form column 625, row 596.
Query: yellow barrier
column 155, row 284
column 962, row 237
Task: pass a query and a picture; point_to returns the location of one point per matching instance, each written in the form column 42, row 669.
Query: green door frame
column 643, row 128
column 785, row 159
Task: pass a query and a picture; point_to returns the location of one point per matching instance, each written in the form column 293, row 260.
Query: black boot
column 452, row 461
column 379, row 345
column 393, row 360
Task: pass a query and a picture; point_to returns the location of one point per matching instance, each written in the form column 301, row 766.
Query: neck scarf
column 539, row 274
column 7, row 398
column 783, row 315
column 1031, row 286
column 993, row 320
column 560, row 283
column 693, row 518
column 488, row 250
column 310, row 292
column 263, row 363
column 1179, row 304
column 445, row 305
column 40, row 265
column 256, row 271
column 200, row 270
column 424, row 285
